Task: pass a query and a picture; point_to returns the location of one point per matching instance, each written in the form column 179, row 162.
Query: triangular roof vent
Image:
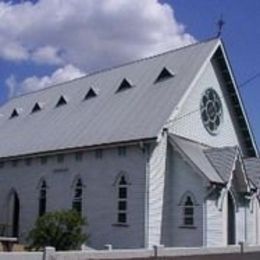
column 90, row 94
column 15, row 113
column 164, row 75
column 125, row 84
column 37, row 107
column 62, row 101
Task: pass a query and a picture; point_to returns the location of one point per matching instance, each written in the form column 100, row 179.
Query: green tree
column 60, row 229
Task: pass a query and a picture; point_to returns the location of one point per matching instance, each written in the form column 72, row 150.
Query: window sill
column 120, row 225
column 188, row 227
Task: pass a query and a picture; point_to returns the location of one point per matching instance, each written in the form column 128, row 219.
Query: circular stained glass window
column 211, row 111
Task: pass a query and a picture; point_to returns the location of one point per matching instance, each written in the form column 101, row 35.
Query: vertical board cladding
column 157, row 168
column 214, row 226
column 240, row 224
column 185, row 181
column 257, row 216
column 251, row 223
column 100, row 193
column 184, row 125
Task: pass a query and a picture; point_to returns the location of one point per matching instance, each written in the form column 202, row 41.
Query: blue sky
column 47, row 41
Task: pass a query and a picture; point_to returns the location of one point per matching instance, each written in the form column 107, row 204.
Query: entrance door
column 231, row 221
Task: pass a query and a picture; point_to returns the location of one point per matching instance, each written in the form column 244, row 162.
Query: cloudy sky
column 44, row 42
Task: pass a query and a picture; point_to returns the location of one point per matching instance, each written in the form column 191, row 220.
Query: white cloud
column 47, row 55
column 69, row 72
column 89, row 34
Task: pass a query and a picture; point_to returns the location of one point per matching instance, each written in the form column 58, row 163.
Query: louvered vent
column 37, row 107
column 14, row 114
column 125, row 84
column 90, row 94
column 62, row 101
column 164, row 75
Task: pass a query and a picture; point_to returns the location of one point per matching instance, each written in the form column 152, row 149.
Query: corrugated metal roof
column 196, row 153
column 222, row 160
column 133, row 114
column 252, row 166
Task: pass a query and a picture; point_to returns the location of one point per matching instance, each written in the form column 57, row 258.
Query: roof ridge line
column 192, row 141
column 96, row 72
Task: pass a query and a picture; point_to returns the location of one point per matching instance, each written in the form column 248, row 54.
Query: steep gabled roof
column 140, row 113
column 195, row 153
column 216, row 164
column 223, row 160
column 252, row 166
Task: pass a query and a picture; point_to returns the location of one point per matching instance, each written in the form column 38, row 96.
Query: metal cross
column 220, row 24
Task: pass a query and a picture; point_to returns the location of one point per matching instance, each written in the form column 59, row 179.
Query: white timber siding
column 251, row 222
column 99, row 193
column 188, row 123
column 214, row 223
column 240, row 224
column 157, row 169
column 257, row 222
column 184, row 179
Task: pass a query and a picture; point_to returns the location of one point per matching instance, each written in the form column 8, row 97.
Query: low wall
column 225, row 253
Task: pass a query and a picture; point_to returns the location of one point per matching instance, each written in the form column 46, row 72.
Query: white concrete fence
column 158, row 251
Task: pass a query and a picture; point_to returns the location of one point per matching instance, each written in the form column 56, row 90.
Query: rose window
column 211, row 111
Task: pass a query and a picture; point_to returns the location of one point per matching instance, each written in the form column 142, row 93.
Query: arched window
column 188, row 212
column 77, row 199
column 42, row 198
column 13, row 221
column 122, row 200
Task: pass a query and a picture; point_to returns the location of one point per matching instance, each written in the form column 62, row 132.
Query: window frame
column 122, row 198
column 42, row 198
column 122, row 151
column 77, row 200
column 188, row 211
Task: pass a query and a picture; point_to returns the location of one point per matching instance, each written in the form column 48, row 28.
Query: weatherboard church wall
column 185, row 180
column 99, row 195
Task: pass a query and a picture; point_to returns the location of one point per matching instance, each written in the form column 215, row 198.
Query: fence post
column 108, row 247
column 49, row 253
column 241, row 247
column 156, row 249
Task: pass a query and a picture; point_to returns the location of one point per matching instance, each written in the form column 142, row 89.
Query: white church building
column 156, row 151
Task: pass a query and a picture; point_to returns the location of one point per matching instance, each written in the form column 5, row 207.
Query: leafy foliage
column 60, row 229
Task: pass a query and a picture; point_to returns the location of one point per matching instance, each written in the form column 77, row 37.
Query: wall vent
column 90, row 94
column 125, row 84
column 164, row 75
column 62, row 101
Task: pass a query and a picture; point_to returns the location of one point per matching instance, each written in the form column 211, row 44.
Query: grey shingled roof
column 252, row 166
column 133, row 114
column 195, row 152
column 222, row 160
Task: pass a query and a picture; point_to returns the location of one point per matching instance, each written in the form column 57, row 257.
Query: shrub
column 60, row 229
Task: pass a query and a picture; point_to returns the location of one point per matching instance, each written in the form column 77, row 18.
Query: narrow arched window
column 188, row 212
column 77, row 199
column 122, row 200
column 42, row 198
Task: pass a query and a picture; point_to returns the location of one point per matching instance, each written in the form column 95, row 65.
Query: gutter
column 78, row 149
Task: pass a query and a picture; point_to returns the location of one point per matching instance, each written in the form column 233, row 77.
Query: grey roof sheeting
column 223, row 160
column 216, row 164
column 196, row 153
column 252, row 166
column 132, row 114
